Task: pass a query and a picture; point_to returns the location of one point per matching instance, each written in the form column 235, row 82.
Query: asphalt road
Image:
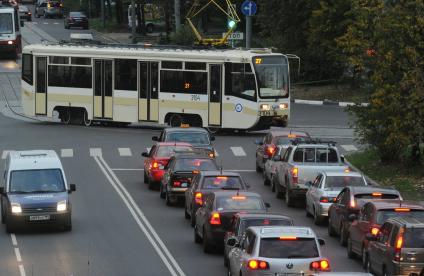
column 119, row 226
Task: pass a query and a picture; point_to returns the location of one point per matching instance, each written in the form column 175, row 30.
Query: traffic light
column 231, row 23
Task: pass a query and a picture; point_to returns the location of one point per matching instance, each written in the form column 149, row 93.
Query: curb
column 326, row 102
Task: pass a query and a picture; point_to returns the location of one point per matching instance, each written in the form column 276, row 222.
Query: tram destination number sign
column 235, row 36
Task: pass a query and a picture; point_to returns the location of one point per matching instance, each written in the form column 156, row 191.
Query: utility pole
column 248, row 31
column 133, row 21
column 103, row 14
column 177, row 12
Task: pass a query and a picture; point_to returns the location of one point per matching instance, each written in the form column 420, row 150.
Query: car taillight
column 352, row 203
column 198, row 198
column 321, row 265
column 325, row 199
column 215, row 219
column 176, row 184
column 257, row 265
column 269, row 151
column 157, row 165
column 398, row 246
column 294, row 173
column 374, row 231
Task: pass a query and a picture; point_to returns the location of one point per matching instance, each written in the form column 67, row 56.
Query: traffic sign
column 249, row 8
column 235, row 36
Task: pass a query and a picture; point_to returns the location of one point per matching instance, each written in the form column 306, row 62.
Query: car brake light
column 377, row 194
column 398, row 246
column 215, row 219
column 352, row 203
column 222, row 177
column 198, row 198
column 374, row 231
column 238, row 197
column 177, row 183
column 402, row 209
column 288, row 238
column 155, row 165
column 322, row 265
column 257, row 265
column 295, row 172
column 325, row 199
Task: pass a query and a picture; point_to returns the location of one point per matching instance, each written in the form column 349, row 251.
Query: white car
column 324, row 190
column 276, row 250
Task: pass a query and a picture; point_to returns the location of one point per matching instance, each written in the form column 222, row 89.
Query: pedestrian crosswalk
column 232, row 151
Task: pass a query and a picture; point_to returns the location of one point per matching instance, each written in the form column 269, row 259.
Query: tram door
column 215, row 90
column 41, row 86
column 148, row 91
column 103, row 99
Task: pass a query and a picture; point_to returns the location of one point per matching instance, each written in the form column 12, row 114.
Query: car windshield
column 194, row 138
column 76, row 14
column 187, row 164
column 6, row 23
column 31, row 181
column 384, row 215
column 240, row 203
column 167, row 151
column 23, row 8
column 220, row 182
column 272, row 76
column 413, row 238
column 298, row 248
column 263, row 222
column 343, row 181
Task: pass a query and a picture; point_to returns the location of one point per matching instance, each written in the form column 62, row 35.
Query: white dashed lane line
column 238, row 151
column 95, row 152
column 67, row 152
column 18, row 254
column 124, row 151
column 14, row 241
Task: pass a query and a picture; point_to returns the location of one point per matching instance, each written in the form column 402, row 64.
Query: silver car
column 324, row 190
column 277, row 250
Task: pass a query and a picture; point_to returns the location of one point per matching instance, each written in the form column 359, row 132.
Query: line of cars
column 373, row 222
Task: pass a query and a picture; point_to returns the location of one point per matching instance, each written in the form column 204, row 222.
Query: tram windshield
column 272, row 76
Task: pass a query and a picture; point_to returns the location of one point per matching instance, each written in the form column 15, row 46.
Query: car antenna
column 221, row 167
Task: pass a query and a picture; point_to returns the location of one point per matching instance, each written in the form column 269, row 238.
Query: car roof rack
column 316, row 141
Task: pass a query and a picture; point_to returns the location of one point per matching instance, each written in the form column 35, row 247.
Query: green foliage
column 184, row 36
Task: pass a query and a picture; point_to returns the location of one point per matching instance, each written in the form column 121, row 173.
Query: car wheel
column 343, row 239
column 145, row 180
column 330, row 228
column 207, row 248
column 289, row 199
column 267, row 182
column 197, row 238
column 317, row 218
column 385, row 271
column 225, row 260
column 3, row 219
column 229, row 270
column 308, row 214
column 192, row 219
column 186, row 214
column 151, row 184
column 67, row 27
column 364, row 258
column 161, row 193
column 167, row 199
column 272, row 185
column 350, row 253
column 258, row 169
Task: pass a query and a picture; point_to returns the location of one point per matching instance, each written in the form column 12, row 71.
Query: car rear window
column 54, row 4
column 194, row 138
column 315, row 155
column 239, row 203
column 220, row 182
column 263, row 222
column 413, row 238
column 186, row 164
column 75, row 14
column 167, row 151
column 288, row 249
column 343, row 181
column 383, row 215
column 376, row 196
column 285, row 140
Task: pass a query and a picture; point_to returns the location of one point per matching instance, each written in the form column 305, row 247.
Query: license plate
column 184, row 185
column 36, row 218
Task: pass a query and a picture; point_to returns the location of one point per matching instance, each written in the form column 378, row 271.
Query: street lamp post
column 133, row 21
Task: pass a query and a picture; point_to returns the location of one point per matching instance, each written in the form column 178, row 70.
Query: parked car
column 268, row 145
column 214, row 218
column 76, row 19
column 398, row 248
column 349, row 201
column 277, row 250
column 325, row 189
column 370, row 218
column 242, row 221
column 25, row 13
column 206, row 182
column 302, row 162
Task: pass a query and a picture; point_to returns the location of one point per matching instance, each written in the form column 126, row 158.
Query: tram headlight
column 284, row 106
column 265, row 107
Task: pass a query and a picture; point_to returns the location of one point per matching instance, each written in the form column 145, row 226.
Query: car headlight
column 265, row 107
column 61, row 206
column 284, row 106
column 16, row 208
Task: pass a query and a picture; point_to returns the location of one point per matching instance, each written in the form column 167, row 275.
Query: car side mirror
column 371, row 237
column 259, row 142
column 267, row 205
column 232, row 242
column 1, row 190
column 212, row 138
column 145, row 154
column 342, row 158
column 321, row 241
column 308, row 184
column 155, row 138
column 72, row 188
column 22, row 23
column 352, row 217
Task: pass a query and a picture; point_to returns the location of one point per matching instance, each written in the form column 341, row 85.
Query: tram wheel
column 213, row 130
column 86, row 121
column 65, row 116
column 175, row 120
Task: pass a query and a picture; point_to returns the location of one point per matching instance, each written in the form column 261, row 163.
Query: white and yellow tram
column 231, row 89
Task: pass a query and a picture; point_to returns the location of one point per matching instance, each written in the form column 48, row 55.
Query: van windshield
column 37, row 181
column 6, row 23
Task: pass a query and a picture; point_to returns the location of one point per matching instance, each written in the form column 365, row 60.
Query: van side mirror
column 1, row 190
column 342, row 158
column 145, row 154
column 352, row 217
column 321, row 241
column 232, row 242
column 72, row 188
column 155, row 138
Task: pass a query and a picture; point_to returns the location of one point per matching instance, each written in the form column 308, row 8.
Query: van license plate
column 35, row 218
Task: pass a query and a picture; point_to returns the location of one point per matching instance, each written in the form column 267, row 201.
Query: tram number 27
column 195, row 98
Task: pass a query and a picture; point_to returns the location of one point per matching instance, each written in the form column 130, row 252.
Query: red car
column 158, row 158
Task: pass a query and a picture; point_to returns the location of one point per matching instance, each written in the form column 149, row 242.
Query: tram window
column 240, row 81
column 70, row 76
column 80, row 61
column 195, row 82
column 81, row 76
column 58, row 60
column 195, row 66
column 126, row 74
column 172, row 65
column 27, row 72
column 171, row 81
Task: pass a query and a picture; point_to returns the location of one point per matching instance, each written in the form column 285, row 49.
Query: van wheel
column 10, row 227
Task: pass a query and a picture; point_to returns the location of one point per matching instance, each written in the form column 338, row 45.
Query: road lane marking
column 18, row 254
column 148, row 150
column 22, row 270
column 56, row 23
column 349, row 147
column 216, row 153
column 14, row 241
column 238, row 151
column 121, row 169
column 4, row 154
column 67, row 152
column 95, row 152
column 140, row 219
column 45, row 23
column 124, row 151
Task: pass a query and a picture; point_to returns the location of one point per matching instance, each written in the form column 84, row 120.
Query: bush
column 184, row 36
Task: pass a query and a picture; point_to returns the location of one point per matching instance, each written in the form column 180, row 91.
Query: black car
column 198, row 137
column 349, row 201
column 179, row 172
column 25, row 13
column 206, row 182
column 76, row 19
column 242, row 221
column 214, row 218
